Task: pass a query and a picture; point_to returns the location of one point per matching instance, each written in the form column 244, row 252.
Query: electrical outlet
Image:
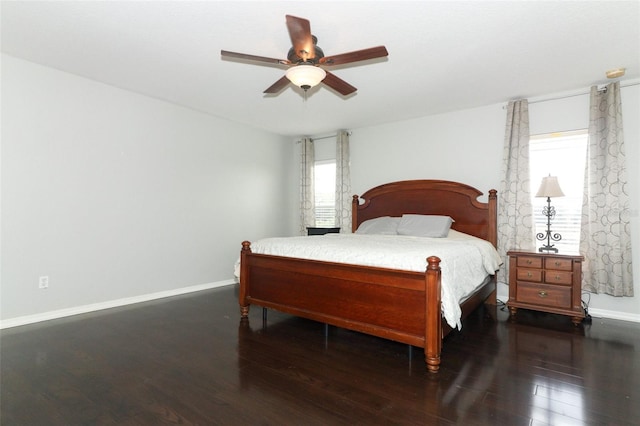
column 43, row 282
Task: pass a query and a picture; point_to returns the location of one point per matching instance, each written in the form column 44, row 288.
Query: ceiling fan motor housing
column 294, row 58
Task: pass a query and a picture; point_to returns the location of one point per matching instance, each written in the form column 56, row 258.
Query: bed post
column 354, row 213
column 244, row 279
column 493, row 218
column 493, row 239
column 433, row 326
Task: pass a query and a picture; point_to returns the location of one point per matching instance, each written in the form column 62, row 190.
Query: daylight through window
column 563, row 155
column 325, row 190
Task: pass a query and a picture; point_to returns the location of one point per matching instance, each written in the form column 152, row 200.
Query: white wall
column 459, row 146
column 466, row 146
column 113, row 195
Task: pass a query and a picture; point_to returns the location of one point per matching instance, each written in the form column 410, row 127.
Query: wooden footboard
column 397, row 305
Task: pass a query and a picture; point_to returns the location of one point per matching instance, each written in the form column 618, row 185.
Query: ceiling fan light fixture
column 305, row 76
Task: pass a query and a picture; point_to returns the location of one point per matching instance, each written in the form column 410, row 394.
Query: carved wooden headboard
column 433, row 197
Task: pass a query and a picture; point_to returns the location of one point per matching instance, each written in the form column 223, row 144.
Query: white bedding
column 465, row 260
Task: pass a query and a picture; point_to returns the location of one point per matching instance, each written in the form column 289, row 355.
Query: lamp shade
column 305, row 76
column 550, row 187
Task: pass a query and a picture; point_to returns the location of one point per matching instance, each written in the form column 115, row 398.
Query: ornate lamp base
column 547, row 248
column 550, row 213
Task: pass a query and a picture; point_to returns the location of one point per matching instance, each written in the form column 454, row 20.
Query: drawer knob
column 529, row 262
column 529, row 274
column 542, row 294
column 558, row 278
column 557, row 263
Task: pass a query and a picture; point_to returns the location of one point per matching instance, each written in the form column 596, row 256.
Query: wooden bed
column 399, row 305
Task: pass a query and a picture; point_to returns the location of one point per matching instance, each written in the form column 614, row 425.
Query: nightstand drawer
column 558, row 277
column 558, row 264
column 533, row 275
column 543, row 294
column 530, row 261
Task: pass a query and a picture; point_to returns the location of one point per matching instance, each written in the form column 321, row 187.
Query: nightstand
column 322, row 231
column 546, row 282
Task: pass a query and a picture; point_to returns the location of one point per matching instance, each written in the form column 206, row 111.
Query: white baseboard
column 604, row 313
column 61, row 313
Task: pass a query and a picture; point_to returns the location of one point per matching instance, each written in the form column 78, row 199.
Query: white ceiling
column 443, row 56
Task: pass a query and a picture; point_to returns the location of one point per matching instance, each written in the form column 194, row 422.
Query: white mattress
column 465, row 260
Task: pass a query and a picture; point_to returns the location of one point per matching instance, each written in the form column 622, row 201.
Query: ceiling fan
column 305, row 59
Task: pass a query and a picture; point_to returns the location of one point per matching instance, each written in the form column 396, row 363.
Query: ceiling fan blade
column 338, row 84
column 278, row 85
column 301, row 39
column 358, row 55
column 227, row 54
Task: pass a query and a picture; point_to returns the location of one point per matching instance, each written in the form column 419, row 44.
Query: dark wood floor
column 188, row 360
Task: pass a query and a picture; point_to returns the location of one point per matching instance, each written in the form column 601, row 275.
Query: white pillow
column 425, row 225
column 385, row 225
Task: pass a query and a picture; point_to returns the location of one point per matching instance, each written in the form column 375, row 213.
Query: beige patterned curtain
column 605, row 237
column 343, row 182
column 307, row 198
column 515, row 218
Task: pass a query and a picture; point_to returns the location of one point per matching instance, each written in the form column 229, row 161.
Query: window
column 325, row 193
column 563, row 155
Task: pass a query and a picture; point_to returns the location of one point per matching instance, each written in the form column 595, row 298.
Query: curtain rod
column 349, row 132
column 324, row 137
column 582, row 93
